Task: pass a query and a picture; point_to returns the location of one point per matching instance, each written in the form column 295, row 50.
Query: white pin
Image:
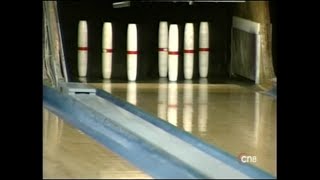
column 107, row 50
column 173, row 54
column 82, row 48
column 188, row 50
column 132, row 52
column 163, row 49
column 204, row 49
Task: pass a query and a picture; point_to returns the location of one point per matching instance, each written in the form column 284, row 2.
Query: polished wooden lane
column 69, row 153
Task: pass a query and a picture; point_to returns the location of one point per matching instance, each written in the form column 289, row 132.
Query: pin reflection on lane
column 187, row 105
column 265, row 132
column 162, row 98
column 173, row 103
column 53, row 131
column 203, row 106
column 83, row 80
column 106, row 85
column 132, row 93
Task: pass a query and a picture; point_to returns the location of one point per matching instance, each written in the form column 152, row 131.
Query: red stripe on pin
column 132, row 52
column 189, row 51
column 108, row 50
column 173, row 52
column 83, row 48
column 203, row 49
column 163, row 49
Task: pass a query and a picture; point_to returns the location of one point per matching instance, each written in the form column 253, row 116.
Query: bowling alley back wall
column 146, row 15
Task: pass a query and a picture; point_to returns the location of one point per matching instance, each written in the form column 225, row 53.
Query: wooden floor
column 236, row 119
column 69, row 153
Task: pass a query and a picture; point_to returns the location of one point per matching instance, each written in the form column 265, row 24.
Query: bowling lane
column 69, row 153
column 238, row 120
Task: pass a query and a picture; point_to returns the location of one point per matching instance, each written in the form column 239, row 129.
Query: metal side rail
column 156, row 149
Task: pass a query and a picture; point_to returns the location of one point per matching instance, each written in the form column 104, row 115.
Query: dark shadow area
column 273, row 17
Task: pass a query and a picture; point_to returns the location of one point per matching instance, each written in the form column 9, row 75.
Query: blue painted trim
column 214, row 151
column 151, row 160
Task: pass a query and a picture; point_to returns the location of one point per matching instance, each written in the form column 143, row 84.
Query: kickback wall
column 147, row 16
